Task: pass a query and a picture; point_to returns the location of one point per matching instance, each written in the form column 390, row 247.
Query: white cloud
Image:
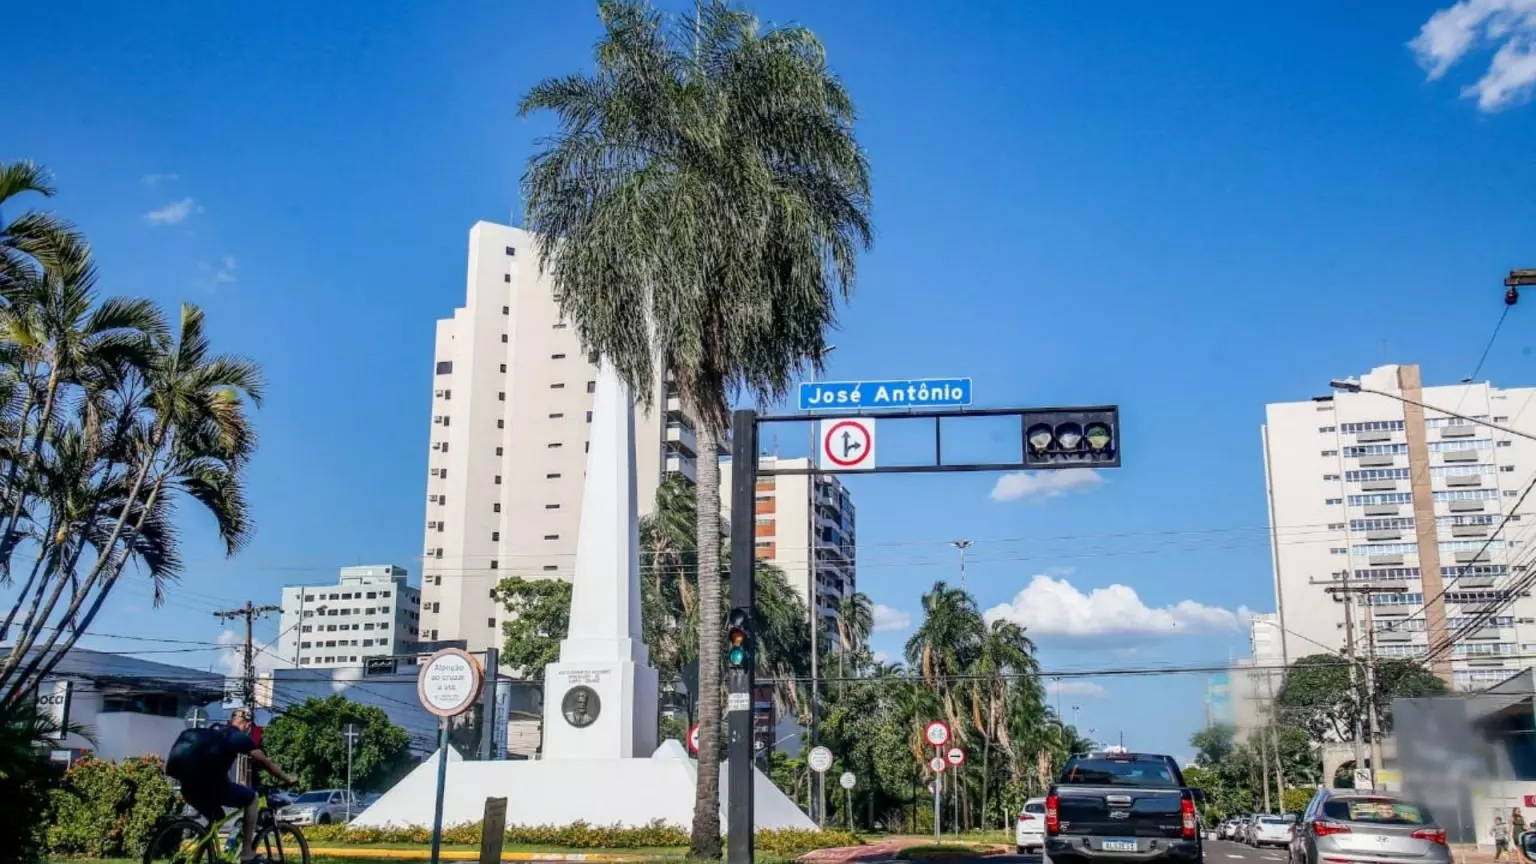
column 1044, row 484
column 1452, row 33
column 176, row 211
column 1086, row 689
column 882, row 657
column 157, row 179
column 233, row 657
column 887, row 618
column 225, row 272
column 1054, row 607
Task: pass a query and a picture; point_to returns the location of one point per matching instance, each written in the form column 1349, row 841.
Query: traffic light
column 1072, row 438
column 737, row 642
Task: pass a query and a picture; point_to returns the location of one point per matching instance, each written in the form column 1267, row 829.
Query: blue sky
column 1186, row 209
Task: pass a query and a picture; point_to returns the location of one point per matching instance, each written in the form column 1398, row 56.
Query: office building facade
column 511, row 402
column 783, row 511
column 371, row 611
column 1406, row 501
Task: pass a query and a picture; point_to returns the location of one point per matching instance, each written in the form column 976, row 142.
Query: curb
column 470, row 855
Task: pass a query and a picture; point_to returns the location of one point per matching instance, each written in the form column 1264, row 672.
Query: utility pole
column 962, row 545
column 250, row 612
column 1263, row 755
column 1368, row 698
column 1347, row 597
column 1370, row 692
column 1274, row 741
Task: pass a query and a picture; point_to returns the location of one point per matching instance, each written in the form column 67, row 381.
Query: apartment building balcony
column 682, row 438
column 1461, row 456
column 680, row 464
column 1460, row 430
column 674, row 405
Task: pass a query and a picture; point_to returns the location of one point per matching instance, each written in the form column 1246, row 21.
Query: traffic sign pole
column 449, row 682
column 938, row 786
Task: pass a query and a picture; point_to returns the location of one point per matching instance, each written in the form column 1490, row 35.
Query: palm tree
column 700, row 209
column 178, row 427
column 855, row 621
column 946, row 643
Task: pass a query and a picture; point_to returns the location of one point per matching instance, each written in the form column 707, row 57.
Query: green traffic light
column 738, row 656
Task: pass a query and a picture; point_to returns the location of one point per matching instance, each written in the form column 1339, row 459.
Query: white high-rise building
column 511, row 400
column 369, row 612
column 1404, row 500
column 783, row 513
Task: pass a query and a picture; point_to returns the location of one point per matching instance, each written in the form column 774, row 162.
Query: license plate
column 1118, row 845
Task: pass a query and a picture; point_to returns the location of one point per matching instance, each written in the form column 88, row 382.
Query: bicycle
column 187, row 840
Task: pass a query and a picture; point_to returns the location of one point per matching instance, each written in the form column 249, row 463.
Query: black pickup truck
column 1130, row 807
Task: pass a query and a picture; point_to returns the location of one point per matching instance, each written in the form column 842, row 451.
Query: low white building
column 126, row 706
column 371, row 611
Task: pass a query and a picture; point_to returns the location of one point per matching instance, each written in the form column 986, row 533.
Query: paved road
column 1223, row 852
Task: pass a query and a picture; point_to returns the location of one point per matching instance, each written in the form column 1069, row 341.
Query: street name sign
column 890, row 395
column 848, row 445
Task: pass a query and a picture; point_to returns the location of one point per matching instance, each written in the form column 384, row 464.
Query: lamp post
column 352, row 732
column 962, row 545
column 813, row 600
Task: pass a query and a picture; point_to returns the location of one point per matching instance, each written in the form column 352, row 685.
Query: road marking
column 1230, row 855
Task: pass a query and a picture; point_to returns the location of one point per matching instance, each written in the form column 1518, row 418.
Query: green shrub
column 108, row 809
column 579, row 835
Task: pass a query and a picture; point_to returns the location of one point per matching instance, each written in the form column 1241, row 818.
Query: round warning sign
column 848, row 444
column 956, row 756
column 937, row 764
column 936, row 733
column 693, row 739
column 820, row 759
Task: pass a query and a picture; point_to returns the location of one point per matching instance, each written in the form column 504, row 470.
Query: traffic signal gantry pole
column 1050, row 438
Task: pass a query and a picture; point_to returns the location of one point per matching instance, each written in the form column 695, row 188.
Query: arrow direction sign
column 893, row 395
column 848, row 444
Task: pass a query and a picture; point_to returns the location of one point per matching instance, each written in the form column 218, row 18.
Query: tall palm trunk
column 705, row 842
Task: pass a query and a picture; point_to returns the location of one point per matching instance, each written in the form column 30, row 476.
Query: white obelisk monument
column 600, row 699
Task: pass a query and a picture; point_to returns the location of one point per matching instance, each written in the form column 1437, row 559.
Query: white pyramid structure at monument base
column 601, row 764
column 625, row 792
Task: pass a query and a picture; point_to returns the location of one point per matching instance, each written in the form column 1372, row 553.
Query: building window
column 506, row 277
column 551, row 536
column 551, row 506
column 511, row 253
column 501, row 424
column 498, row 479
column 1326, row 429
column 495, row 535
column 555, row 445
column 503, row 367
column 557, row 386
column 493, row 564
column 1335, row 526
column 1337, row 550
column 501, row 396
column 589, row 416
column 1507, row 469
column 445, row 367
column 507, row 310
column 550, row 568
column 556, row 415
column 1328, row 477
column 1332, row 501
column 436, row 607
column 557, row 356
column 555, row 476
column 498, row 451
column 561, row 325
column 503, row 337
column 490, row 622
column 1327, row 453
column 591, row 386
column 496, row 508
column 1377, row 426
column 592, row 357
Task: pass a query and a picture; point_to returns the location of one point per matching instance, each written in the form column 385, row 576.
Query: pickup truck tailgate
column 1120, row 811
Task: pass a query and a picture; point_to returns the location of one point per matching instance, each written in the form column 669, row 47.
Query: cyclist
column 205, row 783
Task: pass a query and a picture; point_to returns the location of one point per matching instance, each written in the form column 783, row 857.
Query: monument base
column 630, row 793
column 615, row 699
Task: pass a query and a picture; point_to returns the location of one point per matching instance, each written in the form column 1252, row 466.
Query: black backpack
column 200, row 753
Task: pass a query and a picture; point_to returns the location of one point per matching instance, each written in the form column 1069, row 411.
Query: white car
column 1031, row 833
column 1271, row 831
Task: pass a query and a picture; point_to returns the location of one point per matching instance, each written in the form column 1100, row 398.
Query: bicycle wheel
column 282, row 844
column 180, row 841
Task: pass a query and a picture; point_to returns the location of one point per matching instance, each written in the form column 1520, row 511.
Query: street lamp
column 962, row 545
column 1350, row 385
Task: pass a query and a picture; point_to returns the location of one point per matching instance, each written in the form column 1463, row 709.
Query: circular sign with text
column 449, row 682
column 937, row 764
column 956, row 756
column 847, row 781
column 937, row 733
column 820, row 759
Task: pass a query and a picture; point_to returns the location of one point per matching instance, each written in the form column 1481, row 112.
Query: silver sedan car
column 1343, row 826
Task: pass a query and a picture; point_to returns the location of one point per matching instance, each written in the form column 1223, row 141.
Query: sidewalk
column 424, row 853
